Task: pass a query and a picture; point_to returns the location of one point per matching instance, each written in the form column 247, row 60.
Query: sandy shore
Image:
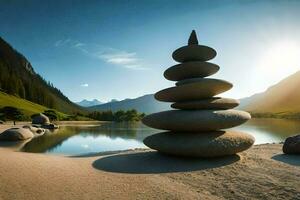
column 9, row 124
column 260, row 173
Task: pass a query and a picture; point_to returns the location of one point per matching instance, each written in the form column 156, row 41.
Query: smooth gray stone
column 40, row 119
column 196, row 120
column 292, row 145
column 15, row 134
column 193, row 38
column 35, row 130
column 202, row 89
column 212, row 103
column 203, row 80
column 194, row 53
column 208, row 144
column 50, row 126
column 194, row 69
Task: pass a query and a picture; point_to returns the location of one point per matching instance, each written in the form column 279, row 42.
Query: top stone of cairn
column 193, row 51
column 193, row 38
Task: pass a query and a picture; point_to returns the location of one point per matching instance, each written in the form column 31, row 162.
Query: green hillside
column 18, row 78
column 28, row 108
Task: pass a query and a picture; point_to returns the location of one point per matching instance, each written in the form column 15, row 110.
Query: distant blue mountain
column 87, row 103
column 146, row 104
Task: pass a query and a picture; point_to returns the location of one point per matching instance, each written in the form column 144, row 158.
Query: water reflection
column 270, row 130
column 74, row 140
column 85, row 139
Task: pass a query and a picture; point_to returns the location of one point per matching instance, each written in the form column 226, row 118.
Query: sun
column 280, row 60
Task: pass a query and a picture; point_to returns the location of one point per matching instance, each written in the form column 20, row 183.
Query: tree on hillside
column 2, row 117
column 52, row 114
column 12, row 113
column 18, row 78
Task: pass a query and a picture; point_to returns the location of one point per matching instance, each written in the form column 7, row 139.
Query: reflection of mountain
column 282, row 97
column 126, row 130
column 278, row 127
column 52, row 140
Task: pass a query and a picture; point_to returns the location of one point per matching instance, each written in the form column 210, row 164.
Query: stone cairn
column 195, row 126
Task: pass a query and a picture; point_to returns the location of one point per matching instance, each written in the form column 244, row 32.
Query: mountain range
column 146, row 104
column 283, row 97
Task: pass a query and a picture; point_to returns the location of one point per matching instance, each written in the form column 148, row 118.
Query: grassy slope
column 14, row 66
column 280, row 99
column 27, row 107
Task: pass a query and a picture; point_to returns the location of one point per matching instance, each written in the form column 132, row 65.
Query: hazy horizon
column 117, row 50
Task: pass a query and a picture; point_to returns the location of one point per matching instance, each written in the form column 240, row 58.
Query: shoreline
column 10, row 124
column 58, row 122
column 145, row 174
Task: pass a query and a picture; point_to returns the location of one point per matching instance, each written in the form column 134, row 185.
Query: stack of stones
column 195, row 126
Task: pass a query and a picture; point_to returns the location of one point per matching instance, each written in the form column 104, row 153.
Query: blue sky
column 120, row 49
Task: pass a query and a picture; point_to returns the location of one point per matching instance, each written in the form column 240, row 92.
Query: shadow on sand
column 153, row 162
column 289, row 159
column 16, row 145
column 97, row 154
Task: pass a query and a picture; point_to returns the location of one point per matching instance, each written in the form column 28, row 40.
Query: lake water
column 77, row 140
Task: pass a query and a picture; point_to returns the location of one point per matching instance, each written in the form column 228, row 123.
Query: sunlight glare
column 279, row 61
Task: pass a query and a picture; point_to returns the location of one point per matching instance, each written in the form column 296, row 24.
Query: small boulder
column 292, row 145
column 50, row 126
column 40, row 119
column 15, row 134
column 35, row 130
column 1, row 122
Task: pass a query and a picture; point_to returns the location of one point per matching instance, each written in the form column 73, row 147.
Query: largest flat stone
column 193, row 69
column 196, row 120
column 200, row 89
column 194, row 53
column 210, row 144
